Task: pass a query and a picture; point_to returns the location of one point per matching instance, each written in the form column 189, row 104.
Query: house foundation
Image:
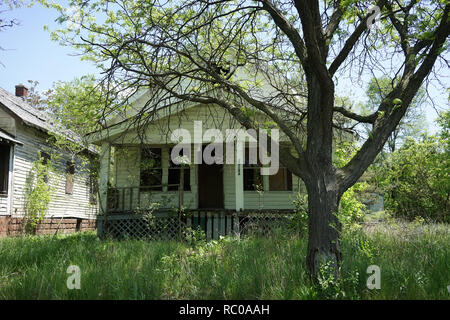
column 11, row 226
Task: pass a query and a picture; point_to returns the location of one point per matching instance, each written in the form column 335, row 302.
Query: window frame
column 70, row 176
column 147, row 171
column 176, row 167
column 45, row 158
column 7, row 162
column 255, row 168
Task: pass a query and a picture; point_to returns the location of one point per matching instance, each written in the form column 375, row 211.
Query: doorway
column 210, row 186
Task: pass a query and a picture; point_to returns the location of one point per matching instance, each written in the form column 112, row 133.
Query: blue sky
column 30, row 54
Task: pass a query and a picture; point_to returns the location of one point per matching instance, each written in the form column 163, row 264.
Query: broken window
column 252, row 171
column 151, row 168
column 174, row 174
column 70, row 174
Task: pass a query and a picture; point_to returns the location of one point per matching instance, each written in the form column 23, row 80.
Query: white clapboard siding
column 7, row 122
column 3, row 205
column 62, row 204
column 159, row 132
column 254, row 200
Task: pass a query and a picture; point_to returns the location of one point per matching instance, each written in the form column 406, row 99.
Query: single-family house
column 24, row 135
column 138, row 173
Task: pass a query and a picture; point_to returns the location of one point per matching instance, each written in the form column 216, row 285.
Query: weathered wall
column 7, row 122
column 253, row 199
column 62, row 204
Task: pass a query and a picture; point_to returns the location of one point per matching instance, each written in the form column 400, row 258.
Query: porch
column 177, row 199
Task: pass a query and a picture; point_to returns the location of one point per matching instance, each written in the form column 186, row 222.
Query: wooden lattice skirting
column 168, row 226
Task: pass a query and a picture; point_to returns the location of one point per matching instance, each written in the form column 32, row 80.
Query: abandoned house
column 24, row 134
column 220, row 199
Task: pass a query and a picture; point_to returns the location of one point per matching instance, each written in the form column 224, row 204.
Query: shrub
column 37, row 194
column 299, row 220
column 416, row 182
column 351, row 208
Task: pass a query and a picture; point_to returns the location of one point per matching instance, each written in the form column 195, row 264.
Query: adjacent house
column 24, row 133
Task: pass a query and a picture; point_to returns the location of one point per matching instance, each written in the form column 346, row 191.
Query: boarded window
column 151, row 168
column 4, row 168
column 252, row 171
column 174, row 175
column 70, row 174
column 281, row 181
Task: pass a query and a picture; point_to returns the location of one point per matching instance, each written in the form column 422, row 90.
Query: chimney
column 21, row 91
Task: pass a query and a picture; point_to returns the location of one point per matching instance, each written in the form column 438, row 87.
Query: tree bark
column 323, row 225
column 322, row 183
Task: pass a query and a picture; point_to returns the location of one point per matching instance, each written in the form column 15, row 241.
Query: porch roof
column 8, row 138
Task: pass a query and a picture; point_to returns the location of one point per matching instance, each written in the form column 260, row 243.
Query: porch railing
column 127, row 200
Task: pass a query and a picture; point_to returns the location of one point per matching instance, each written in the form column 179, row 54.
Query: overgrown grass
column 414, row 261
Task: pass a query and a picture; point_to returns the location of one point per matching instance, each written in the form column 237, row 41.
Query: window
column 93, row 188
column 45, row 158
column 151, row 168
column 4, row 168
column 281, row 181
column 252, row 172
column 93, row 180
column 174, row 175
column 70, row 173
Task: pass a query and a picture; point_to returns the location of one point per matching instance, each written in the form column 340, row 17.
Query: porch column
column 239, row 176
column 105, row 160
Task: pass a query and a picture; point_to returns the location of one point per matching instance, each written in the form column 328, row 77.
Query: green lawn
column 414, row 261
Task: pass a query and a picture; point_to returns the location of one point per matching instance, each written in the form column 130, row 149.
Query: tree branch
column 405, row 90
column 351, row 41
column 354, row 116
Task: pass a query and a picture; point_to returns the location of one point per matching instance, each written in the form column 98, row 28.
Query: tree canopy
column 411, row 125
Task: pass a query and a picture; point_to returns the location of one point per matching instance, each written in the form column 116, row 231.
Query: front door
column 210, row 186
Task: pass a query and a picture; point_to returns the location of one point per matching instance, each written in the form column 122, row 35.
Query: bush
column 299, row 220
column 415, row 180
column 351, row 207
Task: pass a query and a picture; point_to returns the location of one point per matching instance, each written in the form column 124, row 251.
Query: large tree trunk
column 324, row 226
column 322, row 184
